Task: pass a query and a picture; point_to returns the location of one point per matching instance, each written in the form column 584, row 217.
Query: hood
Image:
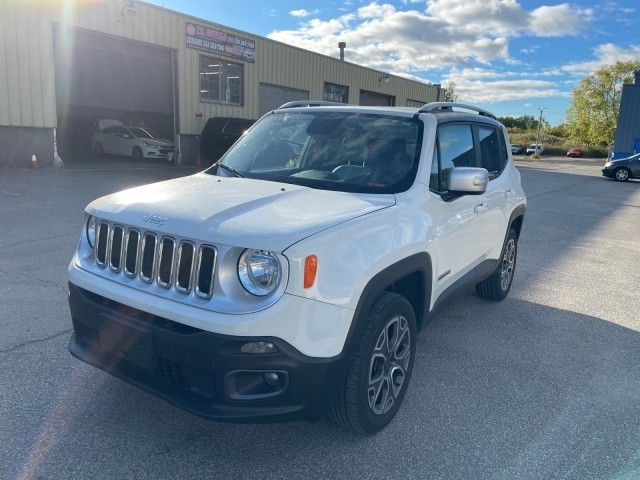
column 241, row 212
column 163, row 142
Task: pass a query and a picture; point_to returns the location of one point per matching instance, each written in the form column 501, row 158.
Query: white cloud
column 488, row 86
column 302, row 12
column 605, row 54
column 558, row 20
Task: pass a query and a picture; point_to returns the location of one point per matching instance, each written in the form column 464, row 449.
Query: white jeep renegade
column 291, row 278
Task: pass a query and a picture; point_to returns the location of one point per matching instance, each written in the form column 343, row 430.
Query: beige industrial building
column 66, row 63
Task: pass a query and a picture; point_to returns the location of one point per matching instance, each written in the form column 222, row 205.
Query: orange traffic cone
column 34, row 162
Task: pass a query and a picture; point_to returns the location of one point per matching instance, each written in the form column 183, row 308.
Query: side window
column 456, row 150
column 490, row 149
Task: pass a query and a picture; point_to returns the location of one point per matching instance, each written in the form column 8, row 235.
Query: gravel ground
column 545, row 384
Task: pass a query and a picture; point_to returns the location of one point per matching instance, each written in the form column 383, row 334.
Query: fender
column 417, row 263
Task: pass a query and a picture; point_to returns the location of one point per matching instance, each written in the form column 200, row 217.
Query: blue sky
column 506, row 55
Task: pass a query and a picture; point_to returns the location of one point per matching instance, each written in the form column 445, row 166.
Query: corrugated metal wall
column 27, row 91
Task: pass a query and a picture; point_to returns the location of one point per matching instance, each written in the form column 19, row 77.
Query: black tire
column 621, row 174
column 98, row 149
column 493, row 288
column 137, row 155
column 351, row 405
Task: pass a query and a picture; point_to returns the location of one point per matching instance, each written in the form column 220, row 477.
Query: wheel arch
column 411, row 277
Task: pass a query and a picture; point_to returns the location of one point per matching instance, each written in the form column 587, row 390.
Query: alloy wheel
column 388, row 365
column 622, row 175
column 508, row 264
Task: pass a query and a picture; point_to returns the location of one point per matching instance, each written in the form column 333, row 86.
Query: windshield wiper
column 231, row 170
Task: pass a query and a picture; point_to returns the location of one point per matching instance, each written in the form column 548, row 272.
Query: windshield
column 345, row 151
column 140, row 133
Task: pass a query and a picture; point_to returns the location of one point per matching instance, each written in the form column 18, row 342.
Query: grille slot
column 206, row 271
column 117, row 237
column 148, row 257
column 185, row 267
column 165, row 266
column 131, row 256
column 101, row 244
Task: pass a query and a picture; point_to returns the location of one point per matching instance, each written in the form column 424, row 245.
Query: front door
column 458, row 233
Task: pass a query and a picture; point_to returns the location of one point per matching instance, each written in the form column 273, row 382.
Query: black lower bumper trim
column 187, row 366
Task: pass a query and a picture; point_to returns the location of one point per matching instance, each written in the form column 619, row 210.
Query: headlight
column 91, row 231
column 150, row 145
column 259, row 272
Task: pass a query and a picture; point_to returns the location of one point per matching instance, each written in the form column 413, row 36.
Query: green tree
column 593, row 111
column 449, row 92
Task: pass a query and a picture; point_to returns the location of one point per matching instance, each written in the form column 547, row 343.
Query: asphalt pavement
column 545, row 384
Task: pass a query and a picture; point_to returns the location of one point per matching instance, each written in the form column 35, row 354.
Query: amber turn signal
column 310, row 270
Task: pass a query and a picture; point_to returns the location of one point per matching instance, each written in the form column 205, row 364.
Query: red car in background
column 574, row 152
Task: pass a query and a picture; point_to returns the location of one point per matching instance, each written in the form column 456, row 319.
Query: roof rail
column 448, row 107
column 309, row 103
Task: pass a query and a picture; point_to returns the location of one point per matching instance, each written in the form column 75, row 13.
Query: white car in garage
column 114, row 138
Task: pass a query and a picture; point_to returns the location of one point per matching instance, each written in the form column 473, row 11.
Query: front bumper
column 197, row 370
column 607, row 172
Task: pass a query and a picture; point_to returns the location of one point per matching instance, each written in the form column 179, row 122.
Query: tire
column 98, row 149
column 136, row 154
column 621, row 174
column 497, row 286
column 367, row 400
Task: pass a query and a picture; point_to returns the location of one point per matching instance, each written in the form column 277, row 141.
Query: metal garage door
column 272, row 96
column 99, row 71
column 376, row 99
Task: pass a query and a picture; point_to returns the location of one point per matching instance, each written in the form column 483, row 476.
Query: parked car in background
column 535, row 148
column 623, row 169
column 574, row 152
column 218, row 134
column 114, row 138
column 515, row 148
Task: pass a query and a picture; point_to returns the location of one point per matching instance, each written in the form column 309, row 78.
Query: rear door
column 492, row 205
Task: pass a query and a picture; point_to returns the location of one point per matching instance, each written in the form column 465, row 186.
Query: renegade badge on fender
column 290, row 279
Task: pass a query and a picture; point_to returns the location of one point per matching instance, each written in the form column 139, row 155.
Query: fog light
column 258, row 347
column 272, row 379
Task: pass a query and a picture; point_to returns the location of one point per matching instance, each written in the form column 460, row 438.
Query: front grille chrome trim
column 99, row 241
column 179, row 287
column 159, row 280
column 112, row 233
column 145, row 237
column 136, row 266
column 198, row 271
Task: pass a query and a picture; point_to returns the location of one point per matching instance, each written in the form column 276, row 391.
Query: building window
column 415, row 103
column 336, row 93
column 220, row 81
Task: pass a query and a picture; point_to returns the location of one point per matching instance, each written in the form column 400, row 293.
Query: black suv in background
column 218, row 134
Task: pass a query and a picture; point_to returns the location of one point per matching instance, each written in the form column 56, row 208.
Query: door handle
column 481, row 207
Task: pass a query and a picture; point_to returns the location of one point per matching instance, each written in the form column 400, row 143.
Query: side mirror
column 127, row 136
column 468, row 180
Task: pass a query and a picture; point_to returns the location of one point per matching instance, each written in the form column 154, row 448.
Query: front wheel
column 621, row 175
column 497, row 286
column 380, row 370
column 136, row 154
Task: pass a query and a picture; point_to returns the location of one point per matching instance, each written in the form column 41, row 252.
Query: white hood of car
column 233, row 211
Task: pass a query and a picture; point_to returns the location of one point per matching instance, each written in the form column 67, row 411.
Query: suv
column 535, row 149
column 218, row 134
column 291, row 278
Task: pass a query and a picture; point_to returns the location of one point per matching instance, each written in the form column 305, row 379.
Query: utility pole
column 540, row 109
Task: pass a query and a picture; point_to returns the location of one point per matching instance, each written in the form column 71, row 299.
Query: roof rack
column 309, row 103
column 448, row 107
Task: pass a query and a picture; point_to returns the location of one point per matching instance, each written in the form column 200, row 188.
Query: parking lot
column 545, row 384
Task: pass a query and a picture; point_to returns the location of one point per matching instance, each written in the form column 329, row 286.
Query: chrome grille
column 181, row 264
